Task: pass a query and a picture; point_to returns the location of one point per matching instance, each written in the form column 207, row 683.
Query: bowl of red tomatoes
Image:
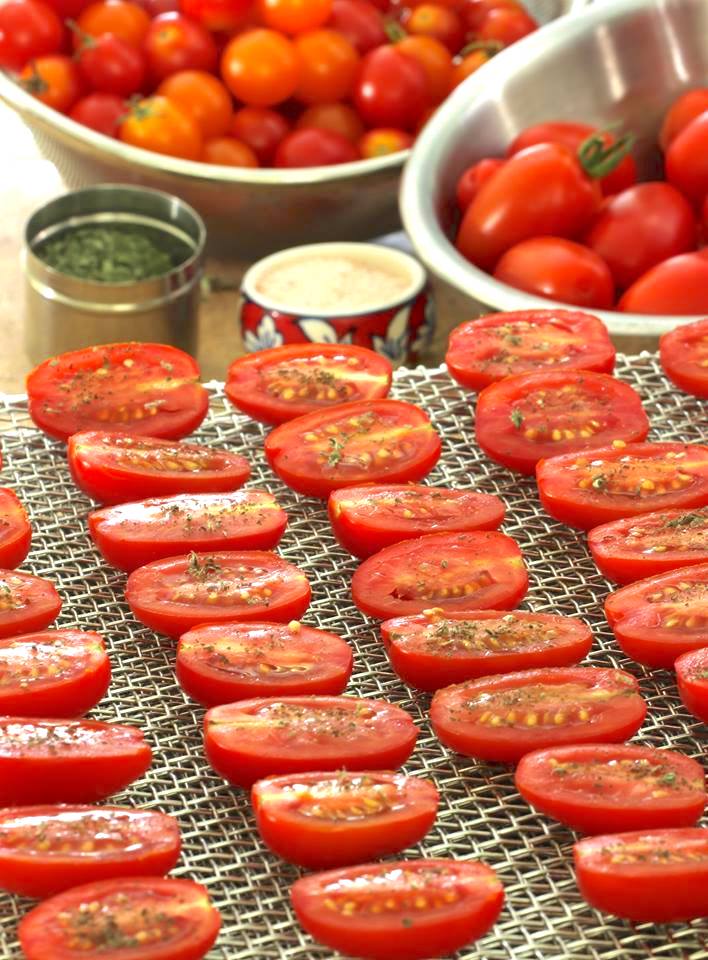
column 573, row 171
column 281, row 121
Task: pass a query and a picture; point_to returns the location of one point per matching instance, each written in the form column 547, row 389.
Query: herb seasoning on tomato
column 692, row 679
column 15, row 530
column 26, row 603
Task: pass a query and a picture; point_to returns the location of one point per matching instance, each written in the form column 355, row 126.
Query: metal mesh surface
column 481, row 814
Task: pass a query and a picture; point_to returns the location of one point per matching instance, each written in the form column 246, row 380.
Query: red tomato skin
column 43, row 608
column 360, row 22
column 683, row 111
column 315, row 148
column 16, row 535
column 262, row 129
column 108, row 64
column 102, row 112
column 474, row 177
column 320, row 844
column 676, row 286
column 683, row 352
column 598, row 810
column 28, row 29
column 692, row 680
column 391, row 90
column 687, row 160
column 175, row 42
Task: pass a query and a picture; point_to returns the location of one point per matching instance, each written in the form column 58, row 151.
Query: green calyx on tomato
column 598, row 158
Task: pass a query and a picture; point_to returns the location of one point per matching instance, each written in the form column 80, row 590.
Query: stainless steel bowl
column 621, row 61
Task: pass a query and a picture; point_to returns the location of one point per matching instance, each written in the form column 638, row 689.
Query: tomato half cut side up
column 606, row 788
column 146, row 389
column 321, row 820
column 353, row 443
column 524, row 418
column 367, row 519
column 448, row 571
column 500, row 345
column 236, row 661
column 54, row 673
column 401, row 910
column 286, row 382
column 44, row 850
column 436, row 649
column 609, row 483
column 656, row 620
column 174, row 595
column 647, row 545
column 27, row 603
column 252, row 739
column 657, row 876
column 692, row 679
column 67, row 761
column 144, row 918
column 118, row 467
column 683, row 352
column 500, row 718
column 15, row 530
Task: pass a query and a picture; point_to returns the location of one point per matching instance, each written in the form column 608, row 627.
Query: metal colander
column 481, row 814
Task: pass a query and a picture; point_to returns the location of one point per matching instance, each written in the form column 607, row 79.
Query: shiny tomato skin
column 465, row 726
column 261, row 68
column 218, row 16
column 676, row 286
column 175, row 42
column 108, row 64
column 692, row 680
column 522, row 419
column 294, row 16
column 681, row 113
column 55, row 80
column 360, row 22
column 307, row 818
column 177, row 594
column 122, row 18
column 474, row 12
column 395, row 934
column 438, row 22
column 102, row 112
column 506, row 26
column 15, row 530
column 474, row 177
column 622, row 481
column 28, row 29
column 204, row 97
column 283, row 735
column 261, row 129
column 337, row 117
column 293, row 449
column 480, row 570
column 630, row 874
column 32, row 603
column 34, row 863
column 434, row 649
column 392, row 89
column 328, row 67
column 601, row 788
column 158, row 125
column 687, row 160
column 238, row 661
column 683, row 352
column 311, row 147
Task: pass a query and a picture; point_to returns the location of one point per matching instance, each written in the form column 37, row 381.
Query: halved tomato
column 67, row 761
column 276, row 385
column 220, row 663
column 451, row 571
column 637, row 547
column 353, row 443
column 657, row 876
column 684, row 356
column 435, row 649
column 55, row 673
column 323, row 820
column 141, row 918
column 503, row 717
column 624, row 480
column 603, row 788
column 527, row 417
column 44, row 850
column 130, row 535
column 656, row 619
column 404, row 910
column 147, row 389
column 252, row 739
column 367, row 519
column 26, row 603
column 502, row 344
column 176, row 594
column 15, row 530
column 118, row 467
column 692, row 679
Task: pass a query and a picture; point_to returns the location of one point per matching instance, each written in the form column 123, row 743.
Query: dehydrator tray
column 481, row 814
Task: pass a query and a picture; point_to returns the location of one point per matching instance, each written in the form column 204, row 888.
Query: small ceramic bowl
column 398, row 327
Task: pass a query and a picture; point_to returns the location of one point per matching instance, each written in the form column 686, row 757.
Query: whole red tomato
column 639, row 228
column 55, row 80
column 261, row 129
column 506, row 25
column 337, row 117
column 102, row 112
column 474, row 12
column 687, row 160
column 392, row 90
column 360, row 22
column 434, row 20
column 682, row 112
column 219, row 16
column 676, row 286
column 174, row 43
column 315, row 148
column 469, row 184
column 110, row 65
column 380, row 143
column 261, row 68
column 28, row 29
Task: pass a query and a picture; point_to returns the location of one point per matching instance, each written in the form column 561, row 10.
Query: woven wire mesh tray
column 481, row 814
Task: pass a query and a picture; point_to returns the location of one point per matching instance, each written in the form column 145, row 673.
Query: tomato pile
column 249, row 83
column 562, row 216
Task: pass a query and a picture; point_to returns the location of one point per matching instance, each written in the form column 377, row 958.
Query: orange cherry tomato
column 469, row 64
column 379, row 143
column 336, row 117
column 295, row 16
column 261, row 68
column 159, row 125
column 435, row 59
column 229, row 152
column 329, row 64
column 55, row 80
column 120, row 17
column 203, row 97
column 435, row 20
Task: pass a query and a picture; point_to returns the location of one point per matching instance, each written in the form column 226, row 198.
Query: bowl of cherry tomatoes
column 281, row 121
column 574, row 171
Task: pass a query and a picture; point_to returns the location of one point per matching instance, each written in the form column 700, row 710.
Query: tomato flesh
column 500, row 718
column 320, row 821
column 27, row 603
column 15, row 531
column 684, row 357
column 286, row 382
column 404, row 910
column 692, row 679
column 252, row 739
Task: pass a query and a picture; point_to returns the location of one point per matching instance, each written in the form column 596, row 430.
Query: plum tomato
column 321, row 820
column 108, row 64
column 202, row 96
column 315, row 148
column 28, row 29
column 15, row 530
column 27, row 603
column 679, row 285
column 501, row 718
column 480, row 570
column 474, row 177
column 294, row 16
column 261, row 129
column 261, row 68
column 382, row 143
column 121, row 18
column 522, row 419
column 692, row 680
column 360, row 22
column 229, row 152
column 684, row 356
column 252, row 739
column 54, row 79
column 102, row 112
column 159, row 125
column 392, row 89
column 686, row 160
column 328, row 66
column 682, row 111
column 336, row 117
column 174, row 43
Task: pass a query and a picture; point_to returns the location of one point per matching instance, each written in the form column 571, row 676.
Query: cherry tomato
column 506, row 25
column 469, row 64
column 68, row 9
column 328, row 66
column 108, row 64
column 102, row 112
column 501, row 718
column 381, row 143
column 682, row 112
column 157, row 7
column 121, row 18
column 676, row 286
column 474, row 12
column 360, row 22
column 175, row 43
column 434, row 58
column 28, row 603
column 45, row 850
column 295, row 16
column 55, row 80
column 404, row 910
column 435, row 649
column 229, row 152
column 15, row 530
column 28, row 29
column 202, row 97
column 596, row 788
column 177, row 594
column 392, row 89
column 252, row 739
column 687, row 159
column 435, row 20
column 261, row 68
column 692, row 679
column 261, row 130
column 353, row 443
column 338, row 118
column 158, row 125
column 218, row 16
column 315, row 148
column 122, row 384
column 474, row 177
column 684, row 357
